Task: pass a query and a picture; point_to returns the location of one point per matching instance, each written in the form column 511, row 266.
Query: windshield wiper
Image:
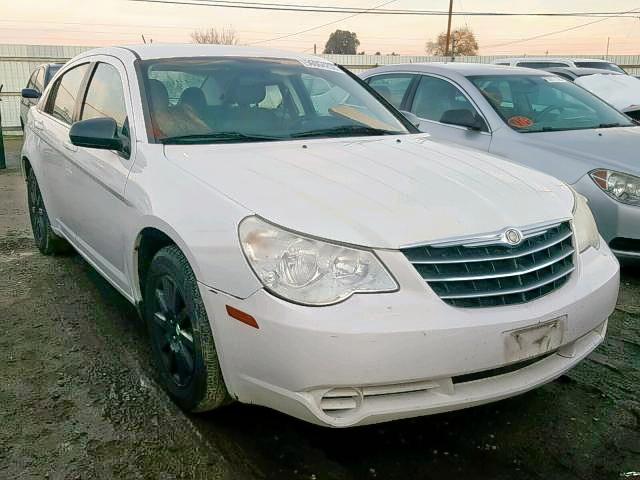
column 345, row 130
column 610, row 125
column 216, row 137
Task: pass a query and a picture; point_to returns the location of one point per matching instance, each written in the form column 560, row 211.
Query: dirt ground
column 79, row 399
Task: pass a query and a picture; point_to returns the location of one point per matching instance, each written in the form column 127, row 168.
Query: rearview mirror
column 463, row 118
column 30, row 93
column 415, row 121
column 99, row 133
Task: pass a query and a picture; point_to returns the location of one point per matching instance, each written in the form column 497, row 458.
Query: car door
column 52, row 125
column 394, row 87
column 447, row 113
column 100, row 211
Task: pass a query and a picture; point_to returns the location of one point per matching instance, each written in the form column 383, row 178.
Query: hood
column 621, row 91
column 577, row 152
column 383, row 192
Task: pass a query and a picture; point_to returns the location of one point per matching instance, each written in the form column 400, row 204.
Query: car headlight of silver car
column 307, row 270
column 586, row 231
column 622, row 187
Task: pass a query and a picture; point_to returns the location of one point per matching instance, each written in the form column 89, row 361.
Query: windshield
column 600, row 66
column 229, row 99
column 532, row 103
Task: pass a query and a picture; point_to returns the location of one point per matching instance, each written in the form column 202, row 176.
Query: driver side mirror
column 30, row 93
column 101, row 133
column 415, row 120
column 463, row 118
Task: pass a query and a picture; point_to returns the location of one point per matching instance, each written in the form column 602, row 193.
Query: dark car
column 38, row 80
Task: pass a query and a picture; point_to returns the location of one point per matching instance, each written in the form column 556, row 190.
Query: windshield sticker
column 554, row 79
column 520, row 122
column 313, row 63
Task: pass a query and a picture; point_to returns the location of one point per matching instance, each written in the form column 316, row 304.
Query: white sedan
column 309, row 252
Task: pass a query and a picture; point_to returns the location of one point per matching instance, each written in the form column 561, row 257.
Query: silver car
column 534, row 118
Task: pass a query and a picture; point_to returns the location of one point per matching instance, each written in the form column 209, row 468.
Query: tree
column 463, row 42
column 342, row 42
column 227, row 36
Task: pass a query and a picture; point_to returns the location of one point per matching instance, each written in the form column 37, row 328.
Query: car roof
column 187, row 50
column 551, row 59
column 457, row 68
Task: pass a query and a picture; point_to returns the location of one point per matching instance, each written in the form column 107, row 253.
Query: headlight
column 586, row 231
column 622, row 187
column 310, row 271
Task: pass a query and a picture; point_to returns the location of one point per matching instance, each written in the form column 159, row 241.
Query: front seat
column 159, row 106
column 243, row 112
column 194, row 98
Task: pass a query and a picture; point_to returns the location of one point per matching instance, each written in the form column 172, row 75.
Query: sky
column 108, row 22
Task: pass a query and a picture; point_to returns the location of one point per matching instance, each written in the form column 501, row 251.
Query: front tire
column 45, row 239
column 183, row 348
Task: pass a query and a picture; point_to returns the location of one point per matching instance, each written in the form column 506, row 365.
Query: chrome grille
column 486, row 272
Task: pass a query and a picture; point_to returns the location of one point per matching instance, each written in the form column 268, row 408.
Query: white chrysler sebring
column 292, row 241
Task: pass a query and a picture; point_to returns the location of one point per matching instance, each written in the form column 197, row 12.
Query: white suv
column 549, row 62
column 327, row 261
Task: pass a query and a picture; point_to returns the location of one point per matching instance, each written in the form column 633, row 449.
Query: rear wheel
column 46, row 240
column 181, row 338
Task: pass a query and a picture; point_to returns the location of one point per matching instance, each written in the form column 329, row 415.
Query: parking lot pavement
column 79, row 399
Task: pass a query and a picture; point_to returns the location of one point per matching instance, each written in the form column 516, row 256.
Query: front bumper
column 615, row 220
column 380, row 357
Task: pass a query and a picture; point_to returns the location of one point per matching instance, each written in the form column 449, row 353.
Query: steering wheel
column 547, row 110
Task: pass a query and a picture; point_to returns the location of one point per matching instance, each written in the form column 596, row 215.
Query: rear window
column 541, row 64
column 600, row 66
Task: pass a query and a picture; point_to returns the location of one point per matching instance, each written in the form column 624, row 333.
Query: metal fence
column 18, row 61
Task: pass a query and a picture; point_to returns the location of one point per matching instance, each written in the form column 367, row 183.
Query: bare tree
column 226, row 36
column 463, row 42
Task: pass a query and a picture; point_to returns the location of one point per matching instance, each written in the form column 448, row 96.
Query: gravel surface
column 79, row 399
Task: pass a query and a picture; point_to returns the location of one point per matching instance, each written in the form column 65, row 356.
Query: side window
column 105, row 96
column 391, row 87
column 436, row 97
column 64, row 93
column 38, row 83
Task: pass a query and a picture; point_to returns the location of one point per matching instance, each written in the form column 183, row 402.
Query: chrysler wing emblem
column 512, row 236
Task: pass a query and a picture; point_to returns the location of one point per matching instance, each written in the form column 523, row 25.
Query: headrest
column 194, row 97
column 247, row 92
column 158, row 95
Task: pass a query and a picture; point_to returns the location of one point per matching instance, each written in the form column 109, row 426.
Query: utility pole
column 315, row 49
column 446, row 48
column 608, row 40
column 453, row 48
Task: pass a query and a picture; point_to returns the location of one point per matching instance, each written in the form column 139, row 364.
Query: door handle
column 70, row 146
column 38, row 124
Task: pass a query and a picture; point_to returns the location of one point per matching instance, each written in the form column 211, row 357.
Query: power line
column 320, row 26
column 292, row 7
column 575, row 27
